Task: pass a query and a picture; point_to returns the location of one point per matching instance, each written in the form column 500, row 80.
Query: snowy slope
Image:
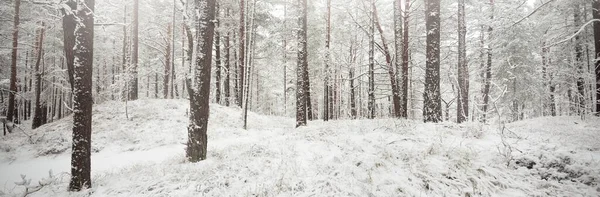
column 144, row 156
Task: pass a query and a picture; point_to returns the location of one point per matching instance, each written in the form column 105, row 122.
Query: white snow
column 144, row 156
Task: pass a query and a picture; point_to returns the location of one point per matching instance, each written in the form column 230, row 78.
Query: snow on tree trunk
column 391, row 68
column 167, row 71
column 227, row 86
column 133, row 87
column 462, row 108
column 596, row 15
column 326, row 86
column 241, row 54
column 432, row 109
column 371, row 93
column 217, row 58
column 38, row 113
column 580, row 84
column 301, row 68
column 82, row 108
column 68, row 25
column 13, row 65
column 487, row 71
column 199, row 93
column 405, row 59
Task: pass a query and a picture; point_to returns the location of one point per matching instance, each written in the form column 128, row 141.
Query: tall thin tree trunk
column 326, row 85
column 133, row 89
column 301, row 68
column 391, row 68
column 432, row 109
column 488, row 67
column 462, row 104
column 227, row 85
column 38, row 113
column 596, row 15
column 217, row 57
column 13, row 66
column 82, row 117
column 579, row 62
column 167, row 72
column 172, row 65
column 371, row 93
column 241, row 53
column 199, row 93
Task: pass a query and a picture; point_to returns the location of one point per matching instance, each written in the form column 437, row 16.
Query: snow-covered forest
column 300, row 97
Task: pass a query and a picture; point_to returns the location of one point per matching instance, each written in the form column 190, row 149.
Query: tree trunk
column 250, row 65
column 371, row 93
column 326, row 85
column 13, row 66
column 199, row 94
column 217, row 58
column 301, row 97
column 38, row 114
column 405, row 59
column 167, row 73
column 391, row 68
column 398, row 42
column 596, row 16
column 227, row 87
column 462, row 104
column 82, row 117
column 133, row 87
column 432, row 109
column 241, row 53
column 579, row 61
column 488, row 67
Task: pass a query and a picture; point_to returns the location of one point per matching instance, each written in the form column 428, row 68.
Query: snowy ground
column 144, row 156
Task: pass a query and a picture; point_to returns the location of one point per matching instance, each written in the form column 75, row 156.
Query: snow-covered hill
column 144, row 156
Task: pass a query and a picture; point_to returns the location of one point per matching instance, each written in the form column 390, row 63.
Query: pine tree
column 82, row 108
column 38, row 113
column 371, row 93
column 13, row 66
column 133, row 87
column 432, row 109
column 596, row 15
column 301, row 68
column 462, row 108
column 199, row 93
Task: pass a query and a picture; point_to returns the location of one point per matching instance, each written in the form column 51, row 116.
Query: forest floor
column 144, row 156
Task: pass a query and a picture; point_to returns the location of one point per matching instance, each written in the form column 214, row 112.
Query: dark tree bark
column 68, row 24
column 301, row 97
column 199, row 94
column 227, row 85
column 326, row 94
column 13, row 64
column 217, row 58
column 309, row 109
column 579, row 61
column 398, row 42
column 82, row 116
column 405, row 59
column 167, row 73
column 38, row 115
column 391, row 68
column 432, row 109
column 173, row 91
column 462, row 104
column 596, row 15
column 241, row 53
column 371, row 93
column 487, row 72
column 133, row 87
column 351, row 75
